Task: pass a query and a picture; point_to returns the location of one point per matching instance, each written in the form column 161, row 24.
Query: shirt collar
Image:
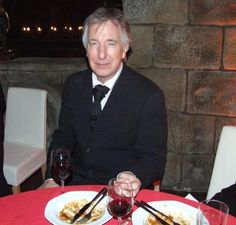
column 110, row 83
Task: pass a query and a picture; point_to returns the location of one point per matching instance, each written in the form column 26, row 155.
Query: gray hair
column 102, row 15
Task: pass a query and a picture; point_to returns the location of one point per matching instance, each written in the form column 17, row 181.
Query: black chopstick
column 149, row 206
column 161, row 213
column 139, row 204
column 84, row 208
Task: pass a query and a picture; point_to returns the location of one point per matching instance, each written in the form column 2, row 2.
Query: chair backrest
column 25, row 121
column 224, row 170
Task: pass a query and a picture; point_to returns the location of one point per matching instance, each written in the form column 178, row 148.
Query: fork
column 88, row 216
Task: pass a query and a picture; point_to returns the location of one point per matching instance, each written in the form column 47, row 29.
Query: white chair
column 25, row 134
column 224, row 170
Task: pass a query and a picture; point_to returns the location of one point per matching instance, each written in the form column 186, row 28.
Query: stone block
column 156, row 11
column 71, row 64
column 173, row 84
column 4, row 65
column 3, row 74
column 172, row 175
column 196, row 172
column 142, row 46
column 57, row 77
column 212, row 93
column 190, row 134
column 187, row 47
column 29, row 64
column 29, row 77
column 220, row 12
column 229, row 59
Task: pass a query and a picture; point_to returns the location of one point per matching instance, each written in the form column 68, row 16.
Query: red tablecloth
column 27, row 208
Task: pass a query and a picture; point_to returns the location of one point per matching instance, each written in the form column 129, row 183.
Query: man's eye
column 92, row 43
column 112, row 43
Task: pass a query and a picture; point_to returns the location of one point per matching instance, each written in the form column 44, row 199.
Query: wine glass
column 120, row 198
column 212, row 212
column 61, row 166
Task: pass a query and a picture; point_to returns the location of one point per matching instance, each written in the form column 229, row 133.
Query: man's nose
column 101, row 52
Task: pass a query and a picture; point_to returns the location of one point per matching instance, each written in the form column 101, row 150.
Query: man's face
column 105, row 50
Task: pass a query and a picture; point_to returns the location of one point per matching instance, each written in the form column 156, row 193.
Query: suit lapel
column 84, row 90
column 120, row 91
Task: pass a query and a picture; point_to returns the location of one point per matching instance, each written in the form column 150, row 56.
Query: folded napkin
column 190, row 197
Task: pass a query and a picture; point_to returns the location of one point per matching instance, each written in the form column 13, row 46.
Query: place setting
column 62, row 209
column 164, row 213
column 90, row 207
column 74, row 207
column 116, row 201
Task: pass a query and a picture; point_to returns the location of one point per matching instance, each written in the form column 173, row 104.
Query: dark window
column 49, row 28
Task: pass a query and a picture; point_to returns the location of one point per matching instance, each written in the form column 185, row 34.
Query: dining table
column 27, row 208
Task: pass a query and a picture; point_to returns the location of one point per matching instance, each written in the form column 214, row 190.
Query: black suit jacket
column 130, row 134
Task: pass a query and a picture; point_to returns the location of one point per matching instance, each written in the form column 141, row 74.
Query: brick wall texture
column 188, row 47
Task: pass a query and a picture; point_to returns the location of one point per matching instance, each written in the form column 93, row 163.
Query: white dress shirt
column 110, row 84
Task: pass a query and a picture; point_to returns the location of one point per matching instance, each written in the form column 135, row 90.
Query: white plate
column 56, row 204
column 140, row 215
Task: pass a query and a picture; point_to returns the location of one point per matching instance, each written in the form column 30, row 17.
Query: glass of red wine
column 120, row 199
column 61, row 166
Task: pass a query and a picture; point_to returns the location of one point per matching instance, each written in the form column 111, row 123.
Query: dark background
column 47, row 13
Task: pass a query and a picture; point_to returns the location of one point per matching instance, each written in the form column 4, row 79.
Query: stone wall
column 188, row 48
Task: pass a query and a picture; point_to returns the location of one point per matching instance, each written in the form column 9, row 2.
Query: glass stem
column 120, row 221
column 124, row 221
column 62, row 186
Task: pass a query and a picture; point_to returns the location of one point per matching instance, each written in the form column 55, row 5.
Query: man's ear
column 126, row 49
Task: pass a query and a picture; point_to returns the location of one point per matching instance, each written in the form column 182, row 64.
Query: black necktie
column 99, row 92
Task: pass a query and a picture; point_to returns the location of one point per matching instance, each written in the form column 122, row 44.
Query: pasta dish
column 176, row 216
column 71, row 208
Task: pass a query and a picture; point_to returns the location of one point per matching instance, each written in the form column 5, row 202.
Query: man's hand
column 48, row 183
column 130, row 176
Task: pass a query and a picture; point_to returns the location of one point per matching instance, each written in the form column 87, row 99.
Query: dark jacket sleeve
column 228, row 196
column 63, row 136
column 151, row 140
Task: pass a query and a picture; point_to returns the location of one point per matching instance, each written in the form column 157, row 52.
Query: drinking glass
column 61, row 166
column 212, row 212
column 120, row 199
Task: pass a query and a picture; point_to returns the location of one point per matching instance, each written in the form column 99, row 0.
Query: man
column 129, row 136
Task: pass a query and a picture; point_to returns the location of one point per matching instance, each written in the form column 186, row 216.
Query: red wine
column 119, row 207
column 61, row 172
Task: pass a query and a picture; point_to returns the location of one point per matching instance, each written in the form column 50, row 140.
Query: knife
column 85, row 207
